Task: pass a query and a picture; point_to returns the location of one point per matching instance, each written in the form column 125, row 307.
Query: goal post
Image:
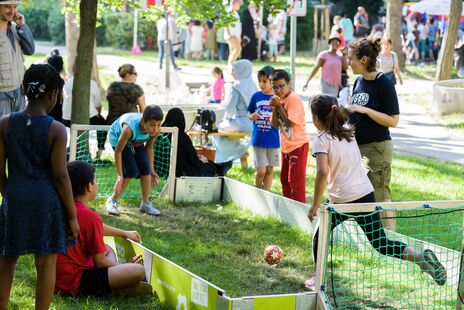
column 83, row 145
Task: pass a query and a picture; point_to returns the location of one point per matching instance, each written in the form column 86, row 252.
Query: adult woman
column 388, row 61
column 374, row 108
column 124, row 96
column 235, row 117
column 188, row 162
column 332, row 64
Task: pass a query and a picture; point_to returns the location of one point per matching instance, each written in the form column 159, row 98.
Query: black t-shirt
column 379, row 95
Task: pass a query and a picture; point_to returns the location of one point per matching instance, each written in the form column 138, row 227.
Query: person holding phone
column 15, row 41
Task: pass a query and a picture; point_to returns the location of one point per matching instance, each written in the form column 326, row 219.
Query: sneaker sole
column 143, row 211
column 439, row 271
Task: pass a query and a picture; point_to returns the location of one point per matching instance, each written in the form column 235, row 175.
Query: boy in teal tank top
column 132, row 137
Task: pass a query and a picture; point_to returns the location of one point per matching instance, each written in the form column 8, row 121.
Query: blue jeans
column 161, row 53
column 223, row 47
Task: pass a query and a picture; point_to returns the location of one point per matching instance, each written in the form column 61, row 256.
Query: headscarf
column 175, row 118
column 244, row 84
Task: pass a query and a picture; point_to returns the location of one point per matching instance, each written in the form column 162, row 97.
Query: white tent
column 432, row 7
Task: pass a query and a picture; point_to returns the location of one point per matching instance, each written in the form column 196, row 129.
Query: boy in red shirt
column 90, row 267
column 288, row 114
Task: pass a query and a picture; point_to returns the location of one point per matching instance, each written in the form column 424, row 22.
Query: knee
column 260, row 173
column 138, row 272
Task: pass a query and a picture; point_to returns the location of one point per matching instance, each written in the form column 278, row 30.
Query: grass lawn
column 231, row 255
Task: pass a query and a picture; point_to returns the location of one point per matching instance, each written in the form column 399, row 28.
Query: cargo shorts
column 377, row 160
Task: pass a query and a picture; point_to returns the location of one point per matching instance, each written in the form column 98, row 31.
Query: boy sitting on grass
column 90, row 267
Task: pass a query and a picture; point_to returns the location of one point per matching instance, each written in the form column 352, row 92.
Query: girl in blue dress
column 37, row 196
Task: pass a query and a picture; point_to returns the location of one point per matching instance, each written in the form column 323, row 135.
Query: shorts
column 273, row 49
column 95, row 282
column 135, row 162
column 266, row 157
column 422, row 45
column 377, row 158
column 329, row 89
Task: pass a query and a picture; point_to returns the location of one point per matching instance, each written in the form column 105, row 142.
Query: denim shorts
column 377, row 160
column 135, row 162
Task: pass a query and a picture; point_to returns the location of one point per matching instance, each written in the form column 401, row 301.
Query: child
column 273, row 36
column 339, row 162
column 264, row 137
column 288, row 113
column 37, row 196
column 90, row 267
column 132, row 137
column 217, row 87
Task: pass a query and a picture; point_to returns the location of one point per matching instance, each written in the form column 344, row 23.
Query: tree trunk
column 446, row 55
column 394, row 8
column 72, row 35
column 84, row 62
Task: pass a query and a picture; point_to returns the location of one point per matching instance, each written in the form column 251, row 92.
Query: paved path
column 417, row 132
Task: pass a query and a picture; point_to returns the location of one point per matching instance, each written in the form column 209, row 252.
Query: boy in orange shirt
column 288, row 114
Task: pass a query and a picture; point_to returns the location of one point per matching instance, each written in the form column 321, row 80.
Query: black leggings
column 101, row 135
column 371, row 224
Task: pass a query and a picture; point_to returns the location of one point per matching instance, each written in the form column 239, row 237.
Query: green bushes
column 46, row 23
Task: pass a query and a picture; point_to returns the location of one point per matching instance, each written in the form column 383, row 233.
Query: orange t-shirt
column 293, row 137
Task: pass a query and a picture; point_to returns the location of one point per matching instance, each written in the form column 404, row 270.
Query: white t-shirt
column 94, row 103
column 347, row 179
column 234, row 29
column 423, row 31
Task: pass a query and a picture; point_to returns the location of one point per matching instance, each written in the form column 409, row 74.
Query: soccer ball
column 273, row 254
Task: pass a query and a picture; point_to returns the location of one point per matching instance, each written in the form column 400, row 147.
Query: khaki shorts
column 377, row 159
column 266, row 157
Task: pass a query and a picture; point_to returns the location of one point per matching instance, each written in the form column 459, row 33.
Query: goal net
column 89, row 143
column 364, row 266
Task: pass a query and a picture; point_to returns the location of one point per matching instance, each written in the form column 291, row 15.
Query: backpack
column 206, row 119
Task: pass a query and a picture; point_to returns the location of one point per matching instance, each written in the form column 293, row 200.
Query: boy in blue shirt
column 264, row 137
column 132, row 137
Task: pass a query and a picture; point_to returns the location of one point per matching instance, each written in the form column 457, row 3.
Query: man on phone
column 15, row 41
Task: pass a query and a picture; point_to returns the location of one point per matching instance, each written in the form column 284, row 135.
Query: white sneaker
column 147, row 207
column 112, row 206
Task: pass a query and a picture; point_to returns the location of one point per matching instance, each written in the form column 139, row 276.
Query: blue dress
column 32, row 218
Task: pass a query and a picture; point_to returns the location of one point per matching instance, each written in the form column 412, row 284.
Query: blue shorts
column 135, row 162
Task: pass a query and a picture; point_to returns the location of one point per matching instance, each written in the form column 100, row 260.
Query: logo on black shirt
column 360, row 99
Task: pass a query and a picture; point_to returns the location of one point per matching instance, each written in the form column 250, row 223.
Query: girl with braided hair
column 37, row 204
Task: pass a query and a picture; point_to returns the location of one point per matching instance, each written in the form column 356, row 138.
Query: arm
column 320, row 63
column 278, row 109
column 116, row 232
column 122, row 142
column 57, row 140
column 25, row 35
column 231, row 107
column 322, row 161
column 379, row 117
column 344, row 63
column 3, row 177
column 101, row 260
column 141, row 103
column 150, row 154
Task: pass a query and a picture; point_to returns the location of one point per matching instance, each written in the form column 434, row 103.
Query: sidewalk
column 417, row 132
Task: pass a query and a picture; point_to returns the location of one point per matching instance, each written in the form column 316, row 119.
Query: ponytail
column 332, row 116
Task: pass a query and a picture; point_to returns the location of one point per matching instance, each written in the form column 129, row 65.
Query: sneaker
column 310, row 284
column 433, row 267
column 112, row 206
column 147, row 207
column 140, row 289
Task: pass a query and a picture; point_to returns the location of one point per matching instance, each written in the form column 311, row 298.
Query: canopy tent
column 432, row 7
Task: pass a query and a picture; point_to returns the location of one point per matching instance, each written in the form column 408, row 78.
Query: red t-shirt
column 70, row 266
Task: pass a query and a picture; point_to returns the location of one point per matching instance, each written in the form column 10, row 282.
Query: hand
column 154, row 178
column 312, row 212
column 134, row 236
column 73, row 229
column 19, row 19
column 137, row 259
column 274, row 102
column 357, row 108
column 203, row 159
column 118, row 186
column 401, row 81
column 255, row 116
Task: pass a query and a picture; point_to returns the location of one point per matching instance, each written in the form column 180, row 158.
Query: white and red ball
column 273, row 254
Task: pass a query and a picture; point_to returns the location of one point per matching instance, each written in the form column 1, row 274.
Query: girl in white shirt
column 339, row 164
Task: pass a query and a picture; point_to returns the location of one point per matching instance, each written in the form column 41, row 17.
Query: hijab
column 244, row 84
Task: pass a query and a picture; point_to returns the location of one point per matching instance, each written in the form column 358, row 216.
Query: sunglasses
column 134, row 73
column 279, row 87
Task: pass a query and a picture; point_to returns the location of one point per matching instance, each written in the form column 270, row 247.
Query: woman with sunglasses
column 124, row 96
